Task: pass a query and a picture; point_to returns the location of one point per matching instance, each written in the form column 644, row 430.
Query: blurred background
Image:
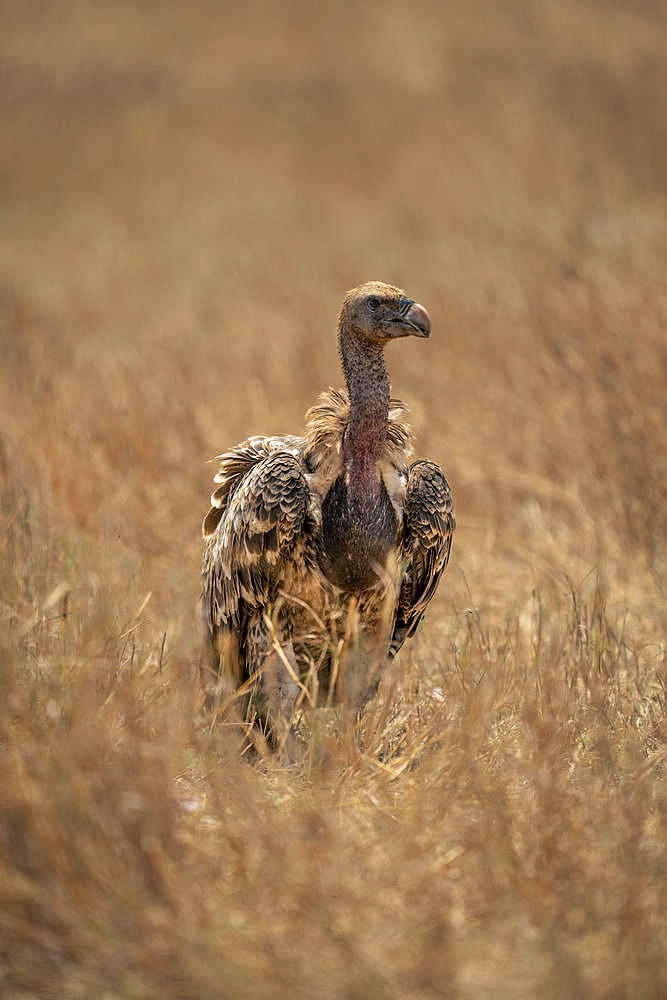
column 187, row 190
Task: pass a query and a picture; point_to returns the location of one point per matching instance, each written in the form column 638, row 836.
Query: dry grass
column 187, row 191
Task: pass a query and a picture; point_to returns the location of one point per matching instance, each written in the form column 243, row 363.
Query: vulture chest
column 357, row 537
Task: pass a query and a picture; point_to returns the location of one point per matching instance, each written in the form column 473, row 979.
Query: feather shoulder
column 258, row 515
column 236, row 463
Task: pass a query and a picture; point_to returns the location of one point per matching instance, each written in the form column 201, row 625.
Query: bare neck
column 368, row 386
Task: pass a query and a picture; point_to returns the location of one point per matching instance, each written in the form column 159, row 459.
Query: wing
column 258, row 514
column 428, row 524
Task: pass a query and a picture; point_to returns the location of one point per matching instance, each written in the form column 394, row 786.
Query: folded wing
column 428, row 525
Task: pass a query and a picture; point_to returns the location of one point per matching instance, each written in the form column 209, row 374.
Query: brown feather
column 264, row 560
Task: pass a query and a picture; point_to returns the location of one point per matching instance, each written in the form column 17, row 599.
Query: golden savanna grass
column 187, row 192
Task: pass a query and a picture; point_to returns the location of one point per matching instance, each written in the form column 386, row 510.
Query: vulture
column 322, row 552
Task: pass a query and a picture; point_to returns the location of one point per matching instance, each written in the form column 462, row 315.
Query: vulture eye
column 373, row 303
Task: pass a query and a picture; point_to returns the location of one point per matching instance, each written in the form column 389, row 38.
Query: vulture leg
column 219, row 669
column 275, row 688
column 361, row 669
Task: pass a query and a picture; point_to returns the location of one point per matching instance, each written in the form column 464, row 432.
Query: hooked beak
column 411, row 319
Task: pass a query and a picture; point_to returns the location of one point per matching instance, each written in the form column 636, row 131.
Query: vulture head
column 376, row 313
